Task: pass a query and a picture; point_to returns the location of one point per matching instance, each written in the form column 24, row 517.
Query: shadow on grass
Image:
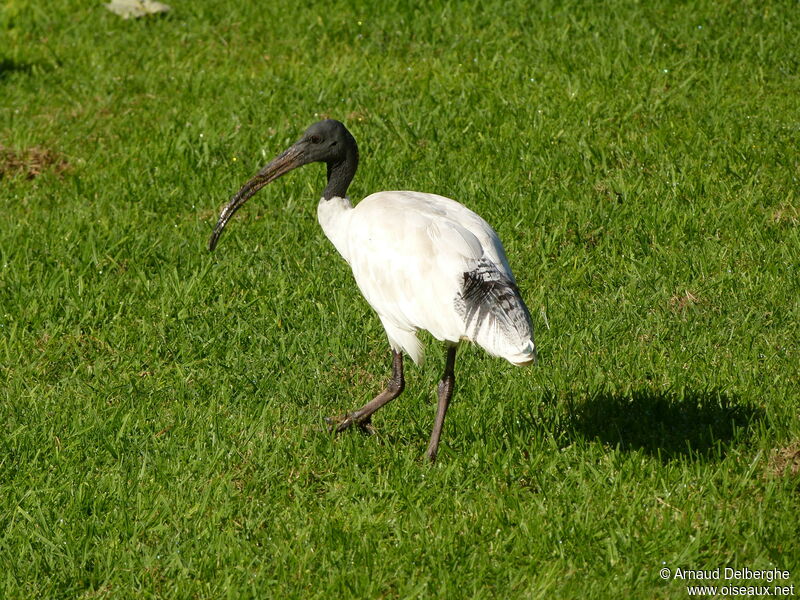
column 9, row 66
column 697, row 425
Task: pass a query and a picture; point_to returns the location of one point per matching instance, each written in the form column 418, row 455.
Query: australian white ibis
column 422, row 261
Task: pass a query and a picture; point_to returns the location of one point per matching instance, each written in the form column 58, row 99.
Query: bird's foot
column 342, row 422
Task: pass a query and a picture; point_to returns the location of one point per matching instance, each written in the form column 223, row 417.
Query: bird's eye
column 315, row 139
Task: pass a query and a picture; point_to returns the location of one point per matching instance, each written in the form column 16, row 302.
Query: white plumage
column 422, row 261
column 409, row 253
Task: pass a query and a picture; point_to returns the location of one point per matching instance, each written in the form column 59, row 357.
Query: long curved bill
column 290, row 159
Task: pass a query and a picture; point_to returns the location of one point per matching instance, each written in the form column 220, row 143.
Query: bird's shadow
column 669, row 425
column 9, row 66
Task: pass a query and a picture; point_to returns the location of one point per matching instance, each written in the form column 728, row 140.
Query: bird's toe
column 366, row 427
column 339, row 423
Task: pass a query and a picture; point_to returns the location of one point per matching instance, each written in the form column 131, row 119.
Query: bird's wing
column 460, row 215
column 426, row 262
column 407, row 258
column 488, row 300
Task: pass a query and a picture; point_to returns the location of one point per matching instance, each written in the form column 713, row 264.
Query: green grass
column 161, row 406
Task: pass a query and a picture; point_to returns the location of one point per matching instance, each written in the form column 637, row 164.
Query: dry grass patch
column 786, row 214
column 785, row 461
column 682, row 301
column 30, row 162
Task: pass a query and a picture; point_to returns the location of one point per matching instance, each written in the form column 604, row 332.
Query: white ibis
column 422, row 261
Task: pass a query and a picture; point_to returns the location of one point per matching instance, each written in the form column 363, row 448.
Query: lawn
column 161, row 407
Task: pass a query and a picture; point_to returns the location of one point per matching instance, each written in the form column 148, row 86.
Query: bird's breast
column 334, row 216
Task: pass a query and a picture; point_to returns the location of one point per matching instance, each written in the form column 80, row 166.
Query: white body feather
column 410, row 253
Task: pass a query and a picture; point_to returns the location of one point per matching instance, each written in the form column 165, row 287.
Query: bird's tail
column 495, row 315
column 525, row 357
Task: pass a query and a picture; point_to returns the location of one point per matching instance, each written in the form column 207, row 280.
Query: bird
column 421, row 261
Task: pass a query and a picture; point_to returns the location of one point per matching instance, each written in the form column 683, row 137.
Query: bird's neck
column 341, row 172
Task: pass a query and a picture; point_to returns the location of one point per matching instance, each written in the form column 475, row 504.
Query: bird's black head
column 327, row 141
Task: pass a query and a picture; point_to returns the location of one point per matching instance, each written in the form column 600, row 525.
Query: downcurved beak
column 291, row 159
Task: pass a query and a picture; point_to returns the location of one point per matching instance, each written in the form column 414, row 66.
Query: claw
column 339, row 424
column 342, row 422
column 366, row 427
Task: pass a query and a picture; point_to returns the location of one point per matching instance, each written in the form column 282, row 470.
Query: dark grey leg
column 446, row 386
column 363, row 416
